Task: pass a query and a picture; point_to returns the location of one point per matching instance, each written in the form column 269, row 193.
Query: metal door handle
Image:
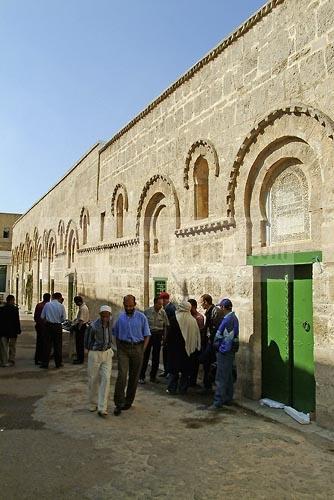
column 306, row 326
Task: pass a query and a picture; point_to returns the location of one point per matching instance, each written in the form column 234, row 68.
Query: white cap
column 105, row 308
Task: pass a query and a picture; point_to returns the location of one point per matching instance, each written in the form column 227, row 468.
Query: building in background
column 222, row 185
column 6, row 234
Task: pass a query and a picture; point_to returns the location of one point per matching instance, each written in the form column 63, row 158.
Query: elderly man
column 132, row 334
column 226, row 343
column 98, row 342
column 79, row 326
column 54, row 315
column 158, row 323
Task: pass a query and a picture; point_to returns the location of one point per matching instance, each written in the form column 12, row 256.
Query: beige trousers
column 99, row 375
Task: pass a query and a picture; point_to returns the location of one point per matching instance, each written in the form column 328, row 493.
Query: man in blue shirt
column 132, row 334
column 53, row 315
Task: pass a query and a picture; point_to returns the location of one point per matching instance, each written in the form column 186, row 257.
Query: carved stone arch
column 293, row 151
column 162, row 184
column 71, row 226
column 61, row 233
column 45, row 242
column 201, row 148
column 119, row 188
column 52, row 238
column 35, row 239
column 84, row 212
column 295, row 110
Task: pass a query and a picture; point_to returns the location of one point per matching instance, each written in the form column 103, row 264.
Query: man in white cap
column 98, row 341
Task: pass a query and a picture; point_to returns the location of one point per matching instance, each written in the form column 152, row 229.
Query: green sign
column 160, row 285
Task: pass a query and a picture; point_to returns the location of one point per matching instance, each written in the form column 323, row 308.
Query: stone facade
column 192, row 187
column 6, row 235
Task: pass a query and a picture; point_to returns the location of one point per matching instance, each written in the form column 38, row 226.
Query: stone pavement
column 163, row 448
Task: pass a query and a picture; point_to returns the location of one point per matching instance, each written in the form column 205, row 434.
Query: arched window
column 71, row 248
column 287, row 208
column 84, row 230
column 119, row 216
column 201, row 188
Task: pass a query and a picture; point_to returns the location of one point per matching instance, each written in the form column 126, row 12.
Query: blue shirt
column 131, row 328
column 98, row 338
column 54, row 312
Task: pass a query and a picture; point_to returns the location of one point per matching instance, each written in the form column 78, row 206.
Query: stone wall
column 260, row 102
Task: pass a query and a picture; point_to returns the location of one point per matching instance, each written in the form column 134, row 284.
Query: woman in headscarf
column 183, row 340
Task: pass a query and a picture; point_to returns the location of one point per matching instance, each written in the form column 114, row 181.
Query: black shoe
column 117, row 411
column 126, row 407
column 102, row 414
column 44, row 366
column 60, row 366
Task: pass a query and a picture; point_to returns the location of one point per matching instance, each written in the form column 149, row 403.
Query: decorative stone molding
column 297, row 110
column 246, row 26
column 149, row 183
column 122, row 188
column 202, row 148
column 208, row 227
column 107, row 246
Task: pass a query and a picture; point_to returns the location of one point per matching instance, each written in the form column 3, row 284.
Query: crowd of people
column 188, row 339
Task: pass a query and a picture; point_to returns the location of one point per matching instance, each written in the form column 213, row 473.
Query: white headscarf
column 189, row 327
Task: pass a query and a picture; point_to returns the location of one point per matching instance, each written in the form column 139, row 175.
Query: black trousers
column 154, row 345
column 193, row 368
column 79, row 342
column 53, row 338
column 39, row 351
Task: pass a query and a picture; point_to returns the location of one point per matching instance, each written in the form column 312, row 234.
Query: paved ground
column 51, row 447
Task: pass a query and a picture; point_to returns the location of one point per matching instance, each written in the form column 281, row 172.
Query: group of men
column 187, row 338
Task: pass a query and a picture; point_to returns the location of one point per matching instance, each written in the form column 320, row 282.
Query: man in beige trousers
column 98, row 341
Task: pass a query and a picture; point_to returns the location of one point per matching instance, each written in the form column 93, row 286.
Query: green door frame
column 284, row 259
column 298, row 259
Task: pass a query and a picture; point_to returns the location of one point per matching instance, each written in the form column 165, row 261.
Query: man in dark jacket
column 40, row 329
column 10, row 328
column 213, row 318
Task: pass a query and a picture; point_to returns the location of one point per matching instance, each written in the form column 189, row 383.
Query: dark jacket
column 9, row 321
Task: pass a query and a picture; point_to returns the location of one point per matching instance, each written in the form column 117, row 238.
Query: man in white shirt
column 80, row 324
column 54, row 315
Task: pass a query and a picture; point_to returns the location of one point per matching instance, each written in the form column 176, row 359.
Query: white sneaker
column 92, row 408
column 141, row 381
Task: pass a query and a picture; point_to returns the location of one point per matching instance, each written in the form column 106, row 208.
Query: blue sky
column 76, row 71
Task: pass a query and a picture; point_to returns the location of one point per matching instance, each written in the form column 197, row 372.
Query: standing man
column 10, row 329
column 98, row 341
column 194, row 357
column 213, row 318
column 80, row 324
column 226, row 344
column 170, row 310
column 54, row 315
column 132, row 336
column 40, row 327
column 158, row 323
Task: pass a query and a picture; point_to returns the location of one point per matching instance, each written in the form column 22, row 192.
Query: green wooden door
column 276, row 373
column 303, row 383
column 287, row 336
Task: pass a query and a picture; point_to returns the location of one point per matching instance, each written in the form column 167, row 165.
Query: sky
column 73, row 72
